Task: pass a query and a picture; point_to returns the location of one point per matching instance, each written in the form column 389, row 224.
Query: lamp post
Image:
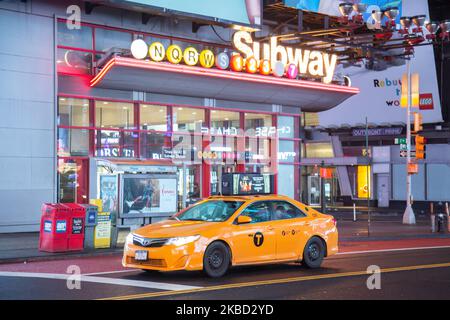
column 408, row 215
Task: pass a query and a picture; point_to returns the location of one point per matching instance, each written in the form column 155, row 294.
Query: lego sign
column 426, row 101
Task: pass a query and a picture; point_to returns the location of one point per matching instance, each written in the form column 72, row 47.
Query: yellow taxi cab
column 224, row 231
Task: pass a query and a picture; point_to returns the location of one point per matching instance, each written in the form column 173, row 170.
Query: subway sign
column 265, row 58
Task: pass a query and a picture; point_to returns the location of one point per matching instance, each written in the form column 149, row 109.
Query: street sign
column 404, row 153
column 400, row 141
column 404, row 147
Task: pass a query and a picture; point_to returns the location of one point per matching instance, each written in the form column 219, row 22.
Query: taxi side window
column 259, row 211
column 284, row 210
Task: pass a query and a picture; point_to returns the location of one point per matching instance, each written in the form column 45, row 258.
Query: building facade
column 66, row 140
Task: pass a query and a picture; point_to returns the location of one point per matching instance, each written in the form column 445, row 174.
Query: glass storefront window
column 153, row 117
column 73, row 180
column 226, row 121
column 73, row 112
column 75, row 38
column 152, row 146
column 188, row 119
column 319, row 150
column 286, row 180
column 286, row 127
column 106, row 39
column 73, row 142
column 114, row 115
column 258, row 151
column 286, row 151
column 111, row 143
column 259, row 125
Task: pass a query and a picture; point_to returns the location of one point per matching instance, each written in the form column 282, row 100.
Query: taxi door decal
column 258, row 239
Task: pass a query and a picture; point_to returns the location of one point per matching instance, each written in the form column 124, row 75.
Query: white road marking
column 113, row 281
column 110, row 272
column 391, row 250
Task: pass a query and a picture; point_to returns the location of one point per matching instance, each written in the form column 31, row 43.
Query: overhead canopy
column 162, row 77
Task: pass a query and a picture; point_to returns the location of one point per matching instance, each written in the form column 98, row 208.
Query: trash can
column 102, row 234
column 76, row 226
column 53, row 236
column 91, row 212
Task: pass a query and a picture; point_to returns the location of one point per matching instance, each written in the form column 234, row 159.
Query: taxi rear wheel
column 313, row 253
column 216, row 260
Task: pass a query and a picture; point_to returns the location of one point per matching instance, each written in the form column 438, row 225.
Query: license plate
column 141, row 255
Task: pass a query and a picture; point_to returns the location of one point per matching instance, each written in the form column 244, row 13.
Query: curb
column 119, row 251
column 62, row 256
column 389, row 238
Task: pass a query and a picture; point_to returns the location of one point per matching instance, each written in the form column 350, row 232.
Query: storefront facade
column 120, row 127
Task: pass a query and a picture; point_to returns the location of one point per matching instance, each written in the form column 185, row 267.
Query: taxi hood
column 174, row 228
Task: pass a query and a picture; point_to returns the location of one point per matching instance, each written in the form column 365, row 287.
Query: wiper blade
column 194, row 219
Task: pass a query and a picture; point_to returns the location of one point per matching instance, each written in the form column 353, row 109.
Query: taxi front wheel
column 216, row 260
column 313, row 253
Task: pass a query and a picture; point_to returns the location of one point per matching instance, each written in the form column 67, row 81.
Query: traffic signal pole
column 408, row 216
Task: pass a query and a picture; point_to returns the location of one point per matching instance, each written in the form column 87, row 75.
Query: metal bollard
column 354, row 212
column 433, row 218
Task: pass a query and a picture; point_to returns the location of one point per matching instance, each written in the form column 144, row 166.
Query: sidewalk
column 20, row 247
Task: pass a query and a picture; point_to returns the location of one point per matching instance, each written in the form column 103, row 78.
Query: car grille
column 150, row 262
column 148, row 242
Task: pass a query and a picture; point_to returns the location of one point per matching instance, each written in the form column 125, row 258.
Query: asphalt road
column 405, row 274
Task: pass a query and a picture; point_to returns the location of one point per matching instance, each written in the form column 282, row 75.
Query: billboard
column 147, row 194
column 240, row 12
column 247, row 183
column 331, row 7
column 379, row 98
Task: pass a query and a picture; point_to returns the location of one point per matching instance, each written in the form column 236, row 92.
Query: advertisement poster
column 145, row 194
column 109, row 193
column 331, row 7
column 379, row 98
column 246, row 183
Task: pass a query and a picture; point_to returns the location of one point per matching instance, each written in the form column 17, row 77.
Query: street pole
column 368, row 178
column 322, row 188
column 408, row 216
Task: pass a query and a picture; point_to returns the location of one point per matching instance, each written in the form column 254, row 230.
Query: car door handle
column 270, row 228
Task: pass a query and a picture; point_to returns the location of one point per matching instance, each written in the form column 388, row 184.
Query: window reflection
column 114, row 115
column 188, row 119
column 153, row 117
column 73, row 112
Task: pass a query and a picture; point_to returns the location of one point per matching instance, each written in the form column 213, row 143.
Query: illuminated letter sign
column 206, row 58
column 313, row 63
column 190, row 56
column 174, row 54
column 156, row 51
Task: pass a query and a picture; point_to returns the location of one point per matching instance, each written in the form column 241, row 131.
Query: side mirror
column 243, row 219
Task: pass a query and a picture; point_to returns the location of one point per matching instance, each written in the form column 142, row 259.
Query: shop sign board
column 358, row 132
column 251, row 56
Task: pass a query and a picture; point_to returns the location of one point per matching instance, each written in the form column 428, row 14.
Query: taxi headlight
column 181, row 241
column 129, row 239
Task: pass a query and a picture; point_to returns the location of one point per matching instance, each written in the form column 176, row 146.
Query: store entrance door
column 189, row 186
column 314, row 190
column 217, row 170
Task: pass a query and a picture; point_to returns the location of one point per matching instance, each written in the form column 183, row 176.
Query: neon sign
column 250, row 56
column 307, row 62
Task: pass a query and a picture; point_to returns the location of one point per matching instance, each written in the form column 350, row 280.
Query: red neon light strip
column 216, row 73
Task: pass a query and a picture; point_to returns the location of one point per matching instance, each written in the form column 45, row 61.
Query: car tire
column 313, row 253
column 216, row 259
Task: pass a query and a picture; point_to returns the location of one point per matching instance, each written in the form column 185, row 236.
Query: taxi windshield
column 211, row 211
